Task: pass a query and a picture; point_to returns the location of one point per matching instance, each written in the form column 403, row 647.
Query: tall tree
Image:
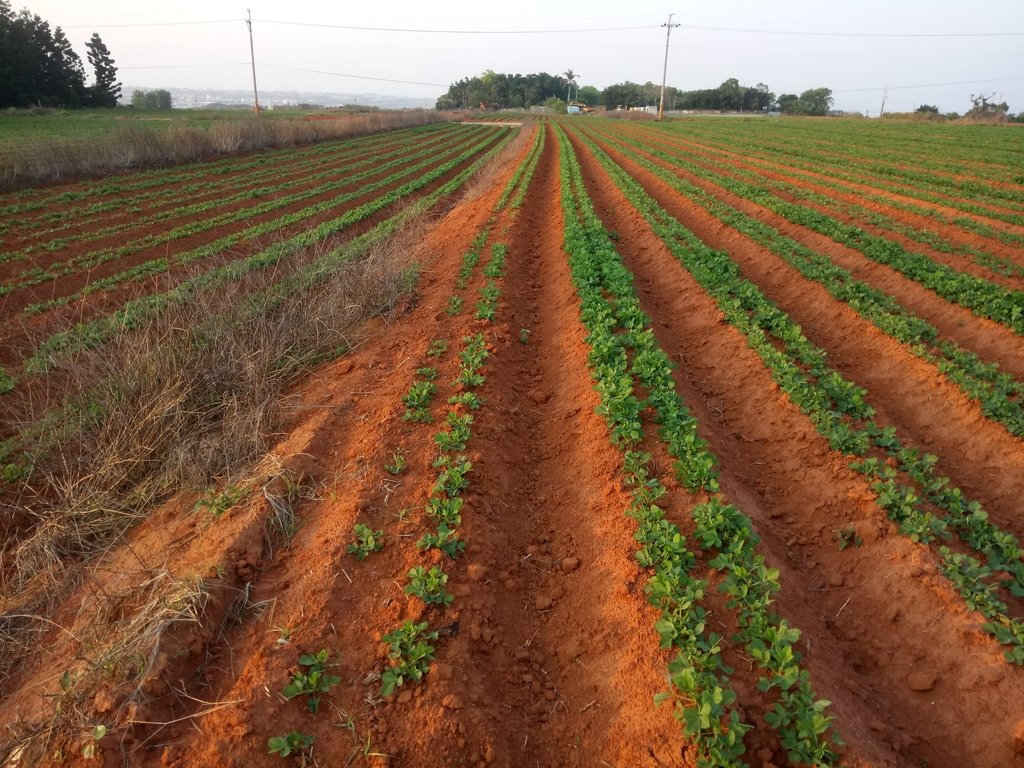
column 818, row 101
column 106, row 90
column 37, row 64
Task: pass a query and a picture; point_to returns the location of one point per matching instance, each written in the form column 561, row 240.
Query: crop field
column 694, row 443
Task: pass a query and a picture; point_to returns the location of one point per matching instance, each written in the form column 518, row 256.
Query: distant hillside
column 194, row 97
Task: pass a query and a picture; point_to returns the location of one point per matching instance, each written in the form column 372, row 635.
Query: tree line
column 494, row 90
column 38, row 66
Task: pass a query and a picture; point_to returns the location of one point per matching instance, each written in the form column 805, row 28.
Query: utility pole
column 252, row 58
column 885, row 95
column 664, row 72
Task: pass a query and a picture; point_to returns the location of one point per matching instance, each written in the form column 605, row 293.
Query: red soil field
column 549, row 654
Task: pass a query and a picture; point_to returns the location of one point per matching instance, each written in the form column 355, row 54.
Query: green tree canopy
column 158, row 99
column 37, row 64
column 626, row 94
column 818, row 101
column 106, row 90
column 495, row 90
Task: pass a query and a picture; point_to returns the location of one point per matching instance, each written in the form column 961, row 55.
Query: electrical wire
column 188, row 66
column 152, row 24
column 925, row 85
column 562, row 31
column 852, row 34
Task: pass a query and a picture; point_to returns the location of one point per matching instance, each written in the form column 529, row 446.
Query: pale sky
column 926, row 51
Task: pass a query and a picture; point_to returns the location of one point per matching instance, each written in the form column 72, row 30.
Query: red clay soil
column 956, row 235
column 548, row 655
column 884, row 636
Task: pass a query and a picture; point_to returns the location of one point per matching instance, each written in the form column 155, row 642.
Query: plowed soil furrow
column 978, row 454
column 992, row 341
column 165, row 200
column 873, row 617
column 557, row 646
column 882, row 185
column 959, row 262
column 21, row 336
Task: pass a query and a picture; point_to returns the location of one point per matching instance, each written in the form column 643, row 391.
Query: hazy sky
column 926, row 51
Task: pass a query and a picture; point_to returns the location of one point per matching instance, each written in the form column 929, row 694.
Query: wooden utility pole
column 252, row 58
column 664, row 72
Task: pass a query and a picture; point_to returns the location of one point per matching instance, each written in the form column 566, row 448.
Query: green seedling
column 314, row 680
column 367, row 541
column 524, row 336
column 397, row 463
column 847, row 536
column 429, row 585
column 293, row 742
column 417, row 399
column 454, row 438
column 411, row 652
column 437, row 348
column 90, row 746
column 454, row 306
column 468, row 399
column 446, row 540
column 427, row 373
column 445, row 511
column 452, row 480
column 220, row 503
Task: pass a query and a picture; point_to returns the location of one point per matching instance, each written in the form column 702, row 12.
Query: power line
column 562, row 31
column 854, row 34
column 151, row 24
column 357, row 77
column 925, row 85
column 188, row 66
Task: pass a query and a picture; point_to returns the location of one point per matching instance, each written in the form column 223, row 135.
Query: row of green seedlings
column 982, row 297
column 625, row 358
column 198, row 172
column 512, row 198
column 200, row 224
column 410, row 648
column 999, row 394
column 162, row 203
column 20, row 454
column 141, row 310
column 929, row 237
column 923, row 504
column 214, row 180
column 900, row 145
column 311, row 678
column 752, row 169
column 926, row 190
column 410, row 645
column 371, row 166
